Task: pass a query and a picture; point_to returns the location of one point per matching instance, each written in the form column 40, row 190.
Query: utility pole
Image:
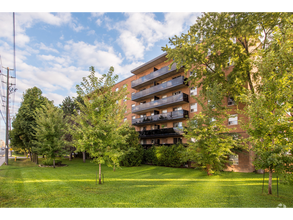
column 7, row 118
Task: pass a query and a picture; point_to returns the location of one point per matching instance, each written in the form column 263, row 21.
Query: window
column 176, row 93
column 177, row 140
column 133, row 105
column 117, row 89
column 124, row 86
column 155, row 69
column 234, row 159
column 164, row 82
column 125, row 119
column 193, row 107
column 231, row 101
column 143, row 141
column 153, row 99
column 142, row 128
column 132, row 93
column 212, row 66
column 154, row 127
column 125, row 99
column 133, row 117
column 177, row 108
column 164, row 111
column 142, row 89
column 164, row 96
column 233, row 120
column 193, row 91
column 142, row 116
column 209, row 103
column 192, row 73
column 142, row 102
column 155, row 141
column 177, row 124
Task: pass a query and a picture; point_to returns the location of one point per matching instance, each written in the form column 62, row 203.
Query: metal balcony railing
column 165, row 132
column 181, row 114
column 159, row 74
column 159, row 89
column 165, row 102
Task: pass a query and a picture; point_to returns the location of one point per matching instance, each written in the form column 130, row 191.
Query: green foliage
column 217, row 39
column 50, row 131
column 98, row 128
column 133, row 150
column 22, row 135
column 170, row 156
column 49, row 162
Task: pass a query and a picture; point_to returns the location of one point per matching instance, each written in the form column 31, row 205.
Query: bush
column 134, row 158
column 49, row 162
column 149, row 156
column 171, row 156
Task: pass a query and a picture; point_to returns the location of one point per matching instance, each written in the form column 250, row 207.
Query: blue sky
column 54, row 50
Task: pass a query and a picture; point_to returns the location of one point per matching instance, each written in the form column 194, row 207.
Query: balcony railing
column 159, row 89
column 181, row 114
column 165, row 132
column 159, row 74
column 165, row 102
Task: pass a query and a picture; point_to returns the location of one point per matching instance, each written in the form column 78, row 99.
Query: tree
column 218, row 40
column 210, row 142
column 23, row 133
column 50, row 131
column 270, row 108
column 97, row 128
column 133, row 150
column 69, row 107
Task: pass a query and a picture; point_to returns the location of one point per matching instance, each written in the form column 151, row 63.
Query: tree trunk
column 270, row 181
column 54, row 163
column 208, row 170
column 37, row 159
column 114, row 167
column 43, row 156
column 31, row 156
column 100, row 173
column 83, row 156
column 25, row 154
column 70, row 156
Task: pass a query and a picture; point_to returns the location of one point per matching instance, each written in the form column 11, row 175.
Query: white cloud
column 62, row 37
column 99, row 22
column 97, row 14
column 140, row 31
column 91, row 32
column 55, row 97
column 44, row 47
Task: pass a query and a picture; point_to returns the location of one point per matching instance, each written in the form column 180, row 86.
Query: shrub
column 134, row 158
column 171, row 156
column 49, row 162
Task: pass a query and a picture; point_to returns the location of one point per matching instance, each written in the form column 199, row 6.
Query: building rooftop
column 151, row 63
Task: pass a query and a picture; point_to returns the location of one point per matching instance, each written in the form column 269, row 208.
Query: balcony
column 156, row 75
column 160, row 89
column 161, row 103
column 165, row 132
column 181, row 114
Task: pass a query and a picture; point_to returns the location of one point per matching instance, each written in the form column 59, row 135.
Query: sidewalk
column 2, row 159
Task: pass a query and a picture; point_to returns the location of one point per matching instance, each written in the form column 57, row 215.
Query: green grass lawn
column 24, row 184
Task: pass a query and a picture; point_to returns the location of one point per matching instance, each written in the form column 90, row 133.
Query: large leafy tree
column 270, row 109
column 23, row 133
column 218, row 40
column 210, row 142
column 50, row 132
column 97, row 128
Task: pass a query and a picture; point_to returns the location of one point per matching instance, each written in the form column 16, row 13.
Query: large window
column 125, row 119
column 234, row 159
column 177, row 108
column 233, row 120
column 231, row 101
column 193, row 91
column 193, row 107
column 176, row 93
column 133, row 117
column 177, row 124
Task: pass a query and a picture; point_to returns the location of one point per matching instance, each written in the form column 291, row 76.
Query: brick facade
column 244, row 158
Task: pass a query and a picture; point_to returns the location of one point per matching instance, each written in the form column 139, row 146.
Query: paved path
column 2, row 159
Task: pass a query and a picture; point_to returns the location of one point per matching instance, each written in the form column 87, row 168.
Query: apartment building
column 161, row 103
